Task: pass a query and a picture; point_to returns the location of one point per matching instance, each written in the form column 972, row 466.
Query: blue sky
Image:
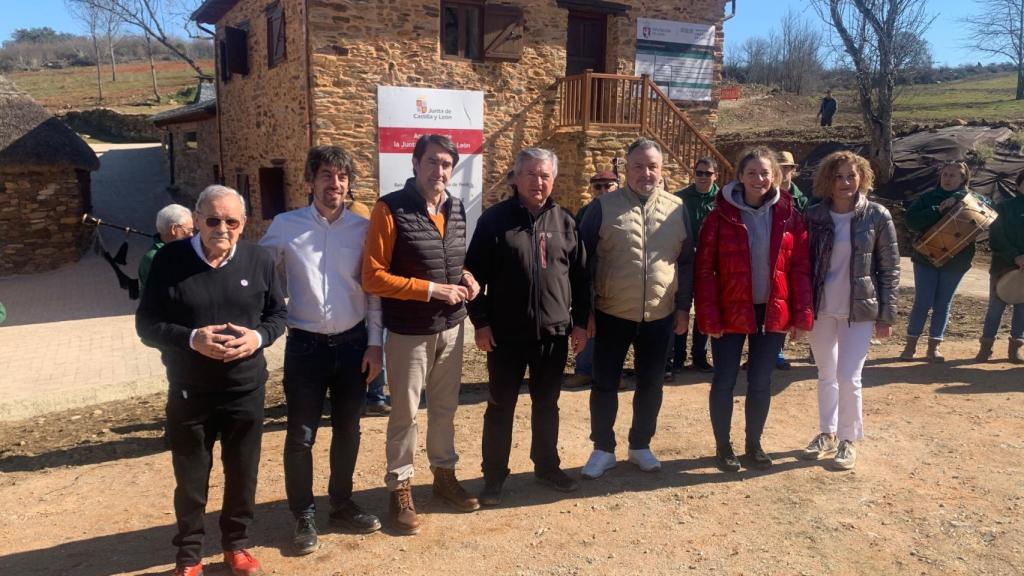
column 753, row 18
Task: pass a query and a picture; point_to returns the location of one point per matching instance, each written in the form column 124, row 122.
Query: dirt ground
column 938, row 488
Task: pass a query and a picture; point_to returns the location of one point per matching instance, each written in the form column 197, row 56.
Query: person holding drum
column 934, row 286
column 1006, row 238
column 855, row 271
column 753, row 283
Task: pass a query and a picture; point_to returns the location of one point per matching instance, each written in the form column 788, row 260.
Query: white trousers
column 840, row 349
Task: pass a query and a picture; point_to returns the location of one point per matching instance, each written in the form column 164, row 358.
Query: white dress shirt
column 322, row 264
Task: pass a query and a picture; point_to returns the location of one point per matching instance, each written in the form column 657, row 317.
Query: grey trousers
column 415, row 364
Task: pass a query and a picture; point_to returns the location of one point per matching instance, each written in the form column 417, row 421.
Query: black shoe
column 702, row 365
column 376, row 410
column 758, row 457
column 304, row 538
column 352, row 518
column 557, row 479
column 726, row 459
column 491, row 494
column 782, row 364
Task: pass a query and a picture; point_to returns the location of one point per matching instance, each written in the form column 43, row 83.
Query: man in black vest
column 415, row 248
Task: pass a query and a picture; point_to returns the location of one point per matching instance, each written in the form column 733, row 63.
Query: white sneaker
column 598, row 463
column 644, row 460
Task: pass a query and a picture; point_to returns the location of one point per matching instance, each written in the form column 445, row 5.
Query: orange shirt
column 380, row 245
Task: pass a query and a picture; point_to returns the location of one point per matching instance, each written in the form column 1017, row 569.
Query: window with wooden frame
column 474, row 30
column 272, row 197
column 275, row 35
column 191, row 140
column 236, row 49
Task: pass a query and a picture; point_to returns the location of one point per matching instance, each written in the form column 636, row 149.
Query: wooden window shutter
column 222, row 53
column 275, row 35
column 237, row 41
column 279, row 45
column 503, row 32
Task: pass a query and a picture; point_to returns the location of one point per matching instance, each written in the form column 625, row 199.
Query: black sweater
column 533, row 270
column 183, row 293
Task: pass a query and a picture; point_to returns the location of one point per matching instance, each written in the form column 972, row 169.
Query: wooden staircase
column 593, row 101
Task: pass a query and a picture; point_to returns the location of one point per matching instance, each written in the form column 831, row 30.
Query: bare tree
column 870, row 31
column 90, row 17
column 802, row 62
column 111, row 24
column 152, row 68
column 1000, row 32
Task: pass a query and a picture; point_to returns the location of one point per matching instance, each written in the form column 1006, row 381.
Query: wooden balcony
column 594, row 101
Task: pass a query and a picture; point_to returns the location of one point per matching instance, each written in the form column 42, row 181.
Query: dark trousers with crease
column 314, row 372
column 698, row 349
column 194, row 421
column 726, row 351
column 506, row 366
column 650, row 347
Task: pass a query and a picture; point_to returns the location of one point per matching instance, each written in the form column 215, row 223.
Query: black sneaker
column 304, row 538
column 351, row 517
column 557, row 479
column 702, row 365
column 782, row 364
column 758, row 457
column 491, row 494
column 726, row 459
column 376, row 410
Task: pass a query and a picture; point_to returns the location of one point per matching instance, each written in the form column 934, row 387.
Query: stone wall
column 263, row 115
column 112, row 126
column 40, row 219
column 194, row 168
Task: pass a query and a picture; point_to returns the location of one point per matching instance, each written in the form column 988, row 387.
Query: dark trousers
column 312, row 369
column 194, row 420
column 650, row 347
column 726, row 351
column 506, row 366
column 698, row 348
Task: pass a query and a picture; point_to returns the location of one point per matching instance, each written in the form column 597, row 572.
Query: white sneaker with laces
column 598, row 463
column 645, row 460
column 846, row 456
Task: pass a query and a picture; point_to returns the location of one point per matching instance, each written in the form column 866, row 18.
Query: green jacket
column 147, row 261
column 1006, row 236
column 697, row 205
column 799, row 200
column 924, row 213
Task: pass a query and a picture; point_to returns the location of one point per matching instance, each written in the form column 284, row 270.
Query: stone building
column 292, row 74
column 45, row 171
column 191, row 138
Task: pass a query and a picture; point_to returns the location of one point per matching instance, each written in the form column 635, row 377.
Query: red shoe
column 242, row 563
column 195, row 570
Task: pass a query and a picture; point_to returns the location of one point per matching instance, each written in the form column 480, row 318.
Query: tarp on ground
column 919, row 157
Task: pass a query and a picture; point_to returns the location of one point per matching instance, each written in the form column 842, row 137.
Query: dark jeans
column 698, row 348
column 726, row 351
column 375, row 391
column 312, row 369
column 650, row 346
column 506, row 366
column 194, row 421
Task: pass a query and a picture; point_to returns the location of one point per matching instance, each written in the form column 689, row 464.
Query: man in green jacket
column 699, row 199
column 173, row 222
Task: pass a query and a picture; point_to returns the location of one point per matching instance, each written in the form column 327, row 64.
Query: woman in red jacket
column 753, row 284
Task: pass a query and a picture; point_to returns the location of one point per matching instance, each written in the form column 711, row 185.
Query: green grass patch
column 989, row 97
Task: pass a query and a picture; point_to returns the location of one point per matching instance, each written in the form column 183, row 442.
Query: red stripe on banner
column 403, row 140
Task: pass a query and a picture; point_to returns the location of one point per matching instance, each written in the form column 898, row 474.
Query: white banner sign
column 678, row 56
column 404, row 114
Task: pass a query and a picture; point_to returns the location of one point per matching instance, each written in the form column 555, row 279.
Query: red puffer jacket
column 722, row 277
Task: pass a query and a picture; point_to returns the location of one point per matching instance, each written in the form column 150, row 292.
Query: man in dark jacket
column 828, row 108
column 529, row 261
column 211, row 305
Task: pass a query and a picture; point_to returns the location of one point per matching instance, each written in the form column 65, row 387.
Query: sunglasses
column 602, row 186
column 703, row 173
column 214, row 222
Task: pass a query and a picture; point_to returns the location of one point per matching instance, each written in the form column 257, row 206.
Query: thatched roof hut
column 31, row 137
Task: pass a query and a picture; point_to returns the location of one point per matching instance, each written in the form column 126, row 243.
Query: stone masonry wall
column 264, row 115
column 40, row 220
column 193, row 168
column 357, row 45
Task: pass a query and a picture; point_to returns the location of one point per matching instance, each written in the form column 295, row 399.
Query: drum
column 959, row 227
column 1010, row 287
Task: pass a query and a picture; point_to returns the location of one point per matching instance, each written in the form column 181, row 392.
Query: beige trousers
column 415, row 364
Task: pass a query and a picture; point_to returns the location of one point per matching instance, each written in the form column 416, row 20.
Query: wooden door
column 585, row 47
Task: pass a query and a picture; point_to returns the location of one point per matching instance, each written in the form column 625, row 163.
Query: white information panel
column 678, row 56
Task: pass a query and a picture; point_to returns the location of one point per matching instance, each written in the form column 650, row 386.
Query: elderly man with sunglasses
column 211, row 305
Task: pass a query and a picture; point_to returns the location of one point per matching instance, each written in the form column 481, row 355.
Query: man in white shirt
column 334, row 340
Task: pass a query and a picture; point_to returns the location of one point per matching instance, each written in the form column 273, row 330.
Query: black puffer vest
column 420, row 252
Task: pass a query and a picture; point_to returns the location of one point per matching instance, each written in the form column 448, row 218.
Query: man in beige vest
column 640, row 259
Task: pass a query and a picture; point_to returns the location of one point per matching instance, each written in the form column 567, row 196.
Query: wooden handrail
column 611, row 101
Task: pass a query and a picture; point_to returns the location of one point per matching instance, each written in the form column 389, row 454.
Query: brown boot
column 985, row 352
column 402, row 511
column 910, row 349
column 934, row 355
column 1015, row 346
column 447, row 488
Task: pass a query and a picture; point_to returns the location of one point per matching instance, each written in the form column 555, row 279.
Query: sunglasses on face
column 602, row 186
column 703, row 173
column 214, row 222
